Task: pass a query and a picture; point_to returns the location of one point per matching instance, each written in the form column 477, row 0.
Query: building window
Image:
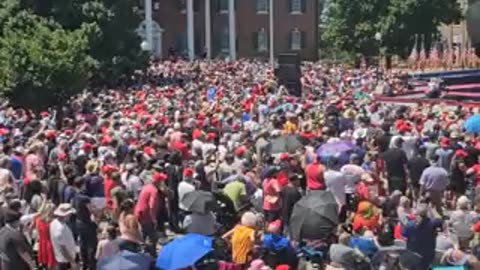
column 297, row 6
column 225, row 41
column 296, row 40
column 182, row 6
column 262, row 6
column 262, row 40
column 222, row 6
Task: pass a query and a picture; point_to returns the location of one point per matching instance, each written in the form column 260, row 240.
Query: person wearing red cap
column 239, row 152
column 475, row 172
column 444, row 153
column 146, row 209
column 185, row 186
column 44, row 114
column 197, row 142
column 181, row 147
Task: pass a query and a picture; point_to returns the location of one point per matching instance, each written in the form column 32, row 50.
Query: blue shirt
column 94, row 185
column 211, row 93
column 275, row 242
column 434, row 178
column 366, row 246
column 421, row 239
column 16, row 167
column 444, row 157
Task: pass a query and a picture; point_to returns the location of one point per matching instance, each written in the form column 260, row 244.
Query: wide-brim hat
column 64, row 210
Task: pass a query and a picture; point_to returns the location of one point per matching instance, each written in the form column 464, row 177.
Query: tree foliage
column 351, row 25
column 51, row 49
column 42, row 64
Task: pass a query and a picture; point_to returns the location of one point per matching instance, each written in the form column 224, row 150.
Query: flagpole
column 272, row 40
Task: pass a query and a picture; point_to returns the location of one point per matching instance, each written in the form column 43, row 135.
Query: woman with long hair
column 45, row 256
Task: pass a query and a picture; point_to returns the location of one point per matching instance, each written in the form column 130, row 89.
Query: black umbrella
column 315, row 216
column 198, row 201
column 396, row 256
column 285, row 144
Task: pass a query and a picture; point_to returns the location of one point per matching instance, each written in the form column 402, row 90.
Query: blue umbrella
column 184, row 252
column 472, row 125
column 125, row 260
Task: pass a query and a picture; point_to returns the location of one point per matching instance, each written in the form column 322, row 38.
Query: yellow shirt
column 289, row 127
column 242, row 244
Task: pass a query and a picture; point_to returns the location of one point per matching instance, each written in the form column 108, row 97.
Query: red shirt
column 108, row 185
column 476, row 169
column 147, row 204
column 314, row 174
column 282, row 179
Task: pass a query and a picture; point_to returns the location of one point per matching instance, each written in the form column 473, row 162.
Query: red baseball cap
column 50, row 134
column 211, row 136
column 187, row 172
column 159, row 177
column 284, row 156
column 87, row 146
column 240, row 151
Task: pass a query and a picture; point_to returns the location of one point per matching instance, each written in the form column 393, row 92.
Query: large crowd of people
column 130, row 169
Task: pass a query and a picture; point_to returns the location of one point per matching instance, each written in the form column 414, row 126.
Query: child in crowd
column 107, row 246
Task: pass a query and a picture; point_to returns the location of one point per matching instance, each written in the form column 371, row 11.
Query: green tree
column 404, row 19
column 351, row 25
column 115, row 44
column 42, row 64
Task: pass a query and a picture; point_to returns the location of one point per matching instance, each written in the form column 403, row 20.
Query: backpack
column 386, row 234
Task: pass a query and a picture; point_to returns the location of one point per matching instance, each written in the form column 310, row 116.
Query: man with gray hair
column 421, row 235
column 434, row 181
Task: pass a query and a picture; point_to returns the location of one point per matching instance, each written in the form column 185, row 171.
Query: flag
column 456, row 56
column 422, row 55
column 413, row 57
column 449, row 57
column 465, row 56
column 472, row 58
column 434, row 57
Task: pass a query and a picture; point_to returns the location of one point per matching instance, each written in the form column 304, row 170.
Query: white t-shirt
column 61, row 235
column 183, row 189
column 336, row 182
column 196, row 145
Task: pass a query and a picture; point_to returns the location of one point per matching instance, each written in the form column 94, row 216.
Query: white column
column 232, row 30
column 208, row 29
column 271, row 37
column 149, row 24
column 190, row 31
